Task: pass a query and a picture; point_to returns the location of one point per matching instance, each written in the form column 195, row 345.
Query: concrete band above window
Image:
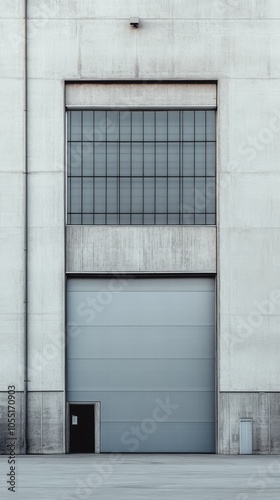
column 142, row 94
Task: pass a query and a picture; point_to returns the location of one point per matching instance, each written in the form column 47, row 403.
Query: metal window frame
column 142, row 214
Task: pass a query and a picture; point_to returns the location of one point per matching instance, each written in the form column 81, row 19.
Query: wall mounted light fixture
column 134, row 22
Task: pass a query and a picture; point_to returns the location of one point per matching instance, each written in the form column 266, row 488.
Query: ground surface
column 137, row 477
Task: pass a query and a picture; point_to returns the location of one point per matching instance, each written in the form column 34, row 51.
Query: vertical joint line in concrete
column 25, row 411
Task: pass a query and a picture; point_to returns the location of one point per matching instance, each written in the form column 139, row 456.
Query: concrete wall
column 263, row 408
column 236, row 43
column 11, row 213
column 141, row 249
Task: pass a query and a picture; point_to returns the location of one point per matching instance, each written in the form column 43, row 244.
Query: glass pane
column 188, row 219
column 68, row 197
column 161, row 159
column 210, row 219
column 210, row 195
column 200, row 159
column 161, row 218
column 100, row 159
column 149, row 195
column 76, row 158
column 210, row 125
column 125, row 219
column 112, row 219
column 99, row 195
column 173, row 125
column 125, row 195
column 137, row 195
column 112, row 159
column 200, row 125
column 161, row 125
column 68, row 120
column 88, row 158
column 149, row 219
column 136, row 219
column 173, row 159
column 99, row 219
column 125, row 126
column 149, row 159
column 76, row 189
column 188, row 195
column 87, row 125
column 137, row 125
column 68, row 159
column 76, row 125
column 125, row 158
column 210, row 158
column 173, row 219
column 100, row 126
column 188, row 125
column 87, row 219
column 200, row 195
column 149, row 125
column 137, row 159
column 188, row 158
column 199, row 219
column 88, row 195
column 112, row 195
column 173, row 195
column 161, row 195
column 112, row 126
column 76, row 218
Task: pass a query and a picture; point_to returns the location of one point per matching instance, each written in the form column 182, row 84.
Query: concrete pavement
column 139, row 477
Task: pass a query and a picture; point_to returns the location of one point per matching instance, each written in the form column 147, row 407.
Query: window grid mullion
column 143, row 168
column 82, row 168
column 180, row 166
column 93, row 166
column 106, row 163
column 167, row 151
column 155, row 166
column 205, row 164
column 130, row 151
column 69, row 208
column 194, row 166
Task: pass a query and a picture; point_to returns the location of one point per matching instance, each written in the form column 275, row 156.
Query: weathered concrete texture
column 141, row 248
column 263, row 408
column 46, row 422
column 143, row 477
column 193, row 9
column 19, row 429
column 11, row 200
column 249, row 235
column 172, row 47
column 275, row 423
column 142, row 95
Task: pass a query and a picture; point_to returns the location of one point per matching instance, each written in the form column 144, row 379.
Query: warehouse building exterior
column 140, row 226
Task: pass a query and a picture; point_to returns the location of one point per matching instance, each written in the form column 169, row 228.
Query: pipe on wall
column 25, row 402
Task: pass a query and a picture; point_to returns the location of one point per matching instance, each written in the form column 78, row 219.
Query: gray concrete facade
column 235, row 47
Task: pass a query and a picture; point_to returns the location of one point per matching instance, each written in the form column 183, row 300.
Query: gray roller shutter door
column 145, row 348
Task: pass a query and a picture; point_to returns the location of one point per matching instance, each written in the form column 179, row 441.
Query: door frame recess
column 97, row 419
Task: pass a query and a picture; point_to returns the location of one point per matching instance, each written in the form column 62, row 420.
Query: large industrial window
column 141, row 167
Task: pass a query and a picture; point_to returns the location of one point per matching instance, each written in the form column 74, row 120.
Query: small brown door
column 81, row 428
